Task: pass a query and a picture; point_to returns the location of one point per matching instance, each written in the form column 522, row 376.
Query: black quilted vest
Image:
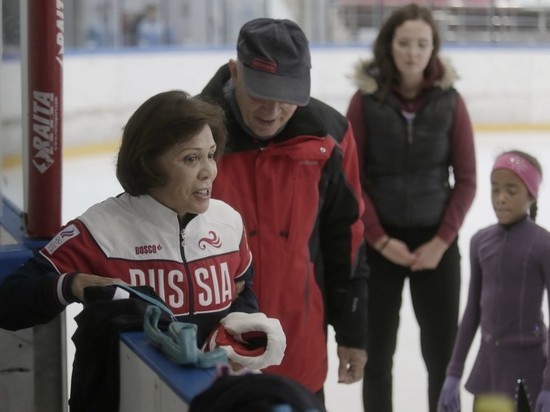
column 406, row 167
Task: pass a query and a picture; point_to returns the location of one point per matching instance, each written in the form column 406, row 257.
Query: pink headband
column 524, row 169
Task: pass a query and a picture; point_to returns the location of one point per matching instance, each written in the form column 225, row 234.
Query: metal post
column 44, row 101
column 43, row 148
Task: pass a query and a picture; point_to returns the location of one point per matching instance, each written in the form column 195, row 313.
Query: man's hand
column 352, row 364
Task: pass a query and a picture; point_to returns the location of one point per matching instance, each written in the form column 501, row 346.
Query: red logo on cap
column 264, row 65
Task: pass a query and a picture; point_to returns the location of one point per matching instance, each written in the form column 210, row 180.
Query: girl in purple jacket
column 510, row 268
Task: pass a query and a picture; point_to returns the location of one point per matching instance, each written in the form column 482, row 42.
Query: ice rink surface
column 90, row 178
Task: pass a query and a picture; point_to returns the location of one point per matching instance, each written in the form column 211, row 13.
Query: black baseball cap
column 275, row 59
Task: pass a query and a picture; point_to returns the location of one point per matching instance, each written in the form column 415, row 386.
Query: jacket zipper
column 498, row 283
column 183, row 239
column 409, row 117
column 183, row 243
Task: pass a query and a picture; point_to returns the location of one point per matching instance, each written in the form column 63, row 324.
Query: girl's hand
column 543, row 402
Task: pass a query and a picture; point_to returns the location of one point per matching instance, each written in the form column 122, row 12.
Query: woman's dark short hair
column 163, row 121
column 383, row 44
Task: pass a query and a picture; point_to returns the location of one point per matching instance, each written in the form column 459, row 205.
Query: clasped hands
column 426, row 256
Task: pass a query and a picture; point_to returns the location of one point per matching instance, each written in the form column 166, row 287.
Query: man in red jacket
column 290, row 168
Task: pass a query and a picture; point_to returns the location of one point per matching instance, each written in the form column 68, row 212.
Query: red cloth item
column 250, row 339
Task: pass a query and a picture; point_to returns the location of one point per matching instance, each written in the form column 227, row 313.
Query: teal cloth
column 180, row 341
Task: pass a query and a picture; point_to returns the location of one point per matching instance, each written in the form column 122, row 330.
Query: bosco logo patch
column 66, row 234
column 147, row 249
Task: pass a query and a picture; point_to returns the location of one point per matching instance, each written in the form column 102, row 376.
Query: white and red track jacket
column 192, row 266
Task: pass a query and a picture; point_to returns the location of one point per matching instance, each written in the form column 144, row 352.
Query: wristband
column 384, row 244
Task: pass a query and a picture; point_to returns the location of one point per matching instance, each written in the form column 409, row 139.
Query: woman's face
column 190, row 170
column 412, row 47
column 511, row 200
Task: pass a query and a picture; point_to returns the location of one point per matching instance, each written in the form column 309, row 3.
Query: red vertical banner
column 45, row 80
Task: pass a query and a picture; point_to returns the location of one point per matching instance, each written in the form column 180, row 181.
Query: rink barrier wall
column 505, row 88
column 111, row 145
column 29, row 356
column 150, row 381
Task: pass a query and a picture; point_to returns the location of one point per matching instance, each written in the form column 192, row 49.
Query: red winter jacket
column 300, row 198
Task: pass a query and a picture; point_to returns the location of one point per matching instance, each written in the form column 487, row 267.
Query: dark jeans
column 435, row 299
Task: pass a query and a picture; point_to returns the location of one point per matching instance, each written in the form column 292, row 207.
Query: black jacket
column 96, row 373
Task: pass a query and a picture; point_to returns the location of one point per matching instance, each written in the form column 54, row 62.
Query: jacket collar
column 366, row 75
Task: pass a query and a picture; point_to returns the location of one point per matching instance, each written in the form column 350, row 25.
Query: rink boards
column 149, row 380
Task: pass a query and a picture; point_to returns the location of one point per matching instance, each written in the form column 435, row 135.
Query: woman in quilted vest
column 418, row 174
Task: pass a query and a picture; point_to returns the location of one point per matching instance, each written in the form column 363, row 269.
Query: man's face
column 265, row 118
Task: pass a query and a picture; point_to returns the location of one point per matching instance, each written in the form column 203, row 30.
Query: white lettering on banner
column 172, row 294
column 137, row 277
column 43, row 130
column 226, row 283
column 60, row 36
column 213, row 285
column 174, row 277
column 209, row 284
column 160, row 286
column 205, row 297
